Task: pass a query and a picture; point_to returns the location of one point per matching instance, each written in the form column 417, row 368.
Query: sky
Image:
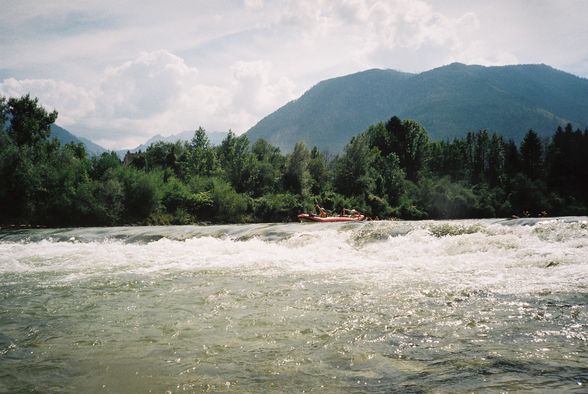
column 119, row 72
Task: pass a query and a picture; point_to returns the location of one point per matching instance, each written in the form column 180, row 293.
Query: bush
column 277, row 208
column 142, row 193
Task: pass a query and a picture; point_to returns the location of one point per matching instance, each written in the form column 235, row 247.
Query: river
column 391, row 306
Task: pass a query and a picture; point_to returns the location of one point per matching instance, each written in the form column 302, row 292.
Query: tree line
column 392, row 169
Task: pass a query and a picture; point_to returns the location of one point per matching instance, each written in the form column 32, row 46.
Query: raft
column 307, row 217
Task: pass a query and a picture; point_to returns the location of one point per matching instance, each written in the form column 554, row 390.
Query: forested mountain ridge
column 66, row 137
column 391, row 169
column 448, row 101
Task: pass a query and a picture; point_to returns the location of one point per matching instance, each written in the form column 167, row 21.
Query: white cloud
column 72, row 102
column 255, row 91
column 157, row 92
column 373, row 33
column 396, row 23
column 119, row 72
column 253, row 4
column 146, row 86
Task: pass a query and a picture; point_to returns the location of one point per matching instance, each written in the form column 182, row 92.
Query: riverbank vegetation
column 392, row 169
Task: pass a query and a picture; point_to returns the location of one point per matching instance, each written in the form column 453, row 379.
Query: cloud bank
column 158, row 92
column 119, row 73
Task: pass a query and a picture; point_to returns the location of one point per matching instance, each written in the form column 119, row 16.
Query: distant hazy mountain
column 215, row 138
column 448, row 101
column 65, row 137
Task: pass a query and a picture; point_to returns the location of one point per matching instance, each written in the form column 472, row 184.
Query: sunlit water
column 451, row 306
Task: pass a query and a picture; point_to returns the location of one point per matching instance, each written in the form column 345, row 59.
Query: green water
column 502, row 308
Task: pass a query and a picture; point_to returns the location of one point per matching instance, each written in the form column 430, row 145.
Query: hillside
column 65, row 137
column 448, row 101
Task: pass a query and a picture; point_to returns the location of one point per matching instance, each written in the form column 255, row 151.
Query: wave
column 507, row 256
column 360, row 232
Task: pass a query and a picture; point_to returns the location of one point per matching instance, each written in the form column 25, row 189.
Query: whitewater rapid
column 373, row 306
column 505, row 255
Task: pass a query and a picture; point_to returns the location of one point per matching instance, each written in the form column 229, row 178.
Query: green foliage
column 443, row 199
column 266, row 168
column 9, row 162
column 142, row 193
column 64, row 196
column 185, row 205
column 136, row 160
column 109, row 201
column 389, row 178
column 277, row 207
column 390, row 170
column 229, row 206
column 529, row 195
column 353, row 174
column 235, row 160
column 162, row 155
column 201, row 158
column 410, row 142
column 296, row 174
column 103, row 165
column 566, row 164
column 29, row 122
column 220, row 202
column 378, row 207
column 532, row 156
column 318, row 171
column 407, row 207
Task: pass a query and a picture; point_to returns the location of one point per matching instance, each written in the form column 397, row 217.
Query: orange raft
column 307, row 217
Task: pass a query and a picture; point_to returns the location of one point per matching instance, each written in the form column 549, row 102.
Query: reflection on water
column 388, row 306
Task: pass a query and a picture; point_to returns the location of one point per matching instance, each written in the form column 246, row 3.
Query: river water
column 445, row 306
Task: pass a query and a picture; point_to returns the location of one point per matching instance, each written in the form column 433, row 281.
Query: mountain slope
column 215, row 138
column 449, row 101
column 65, row 137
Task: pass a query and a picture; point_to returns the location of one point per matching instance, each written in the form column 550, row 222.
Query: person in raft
column 350, row 212
column 321, row 211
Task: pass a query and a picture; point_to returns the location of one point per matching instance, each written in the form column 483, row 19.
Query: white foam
column 551, row 255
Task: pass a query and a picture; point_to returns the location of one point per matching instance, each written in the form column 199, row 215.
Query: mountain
column 215, row 138
column 65, row 137
column 448, row 101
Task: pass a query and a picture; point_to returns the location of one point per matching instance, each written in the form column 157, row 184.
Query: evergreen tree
column 512, row 159
column 480, row 163
column 202, row 158
column 567, row 167
column 496, row 161
column 532, row 156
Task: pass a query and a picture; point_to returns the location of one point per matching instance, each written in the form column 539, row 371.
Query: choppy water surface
column 376, row 306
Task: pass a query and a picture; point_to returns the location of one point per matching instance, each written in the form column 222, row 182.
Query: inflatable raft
column 307, row 217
